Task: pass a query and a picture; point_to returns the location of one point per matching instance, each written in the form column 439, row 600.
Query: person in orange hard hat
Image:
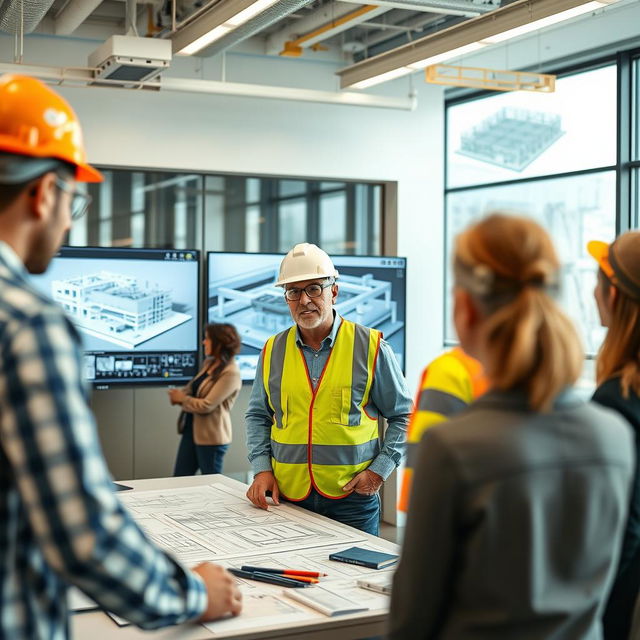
column 61, row 523
column 617, row 295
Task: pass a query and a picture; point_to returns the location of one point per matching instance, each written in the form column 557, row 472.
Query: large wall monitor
column 240, row 290
column 136, row 309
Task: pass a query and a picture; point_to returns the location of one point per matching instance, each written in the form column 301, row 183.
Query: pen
column 290, row 576
column 284, row 572
column 267, row 577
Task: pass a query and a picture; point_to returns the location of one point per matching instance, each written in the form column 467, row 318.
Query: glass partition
column 232, row 213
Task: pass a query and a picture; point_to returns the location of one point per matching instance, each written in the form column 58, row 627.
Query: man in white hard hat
column 61, row 522
column 320, row 387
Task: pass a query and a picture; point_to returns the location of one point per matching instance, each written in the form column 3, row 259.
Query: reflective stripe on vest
column 321, row 437
column 449, row 384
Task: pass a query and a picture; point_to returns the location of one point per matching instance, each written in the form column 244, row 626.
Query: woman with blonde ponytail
column 519, row 502
column 617, row 295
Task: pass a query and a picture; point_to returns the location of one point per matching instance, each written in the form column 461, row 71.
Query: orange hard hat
column 36, row 122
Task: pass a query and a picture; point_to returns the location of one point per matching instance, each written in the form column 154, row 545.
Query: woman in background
column 519, row 502
column 617, row 295
column 205, row 420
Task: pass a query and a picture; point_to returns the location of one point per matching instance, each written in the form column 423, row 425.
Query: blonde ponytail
column 509, row 266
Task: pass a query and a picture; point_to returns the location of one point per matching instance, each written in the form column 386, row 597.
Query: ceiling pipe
column 413, row 25
column 452, row 7
column 294, row 47
column 73, row 14
column 131, row 19
column 83, row 77
column 313, row 20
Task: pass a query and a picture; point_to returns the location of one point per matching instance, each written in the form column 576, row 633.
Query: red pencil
column 285, row 572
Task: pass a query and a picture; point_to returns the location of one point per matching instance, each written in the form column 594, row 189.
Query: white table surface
column 95, row 625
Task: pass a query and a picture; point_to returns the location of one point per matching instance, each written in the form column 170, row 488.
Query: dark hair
column 34, row 168
column 225, row 343
column 9, row 192
column 619, row 354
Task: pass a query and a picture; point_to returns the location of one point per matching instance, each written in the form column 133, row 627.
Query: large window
column 231, row 213
column 516, row 135
column 549, row 156
column 574, row 209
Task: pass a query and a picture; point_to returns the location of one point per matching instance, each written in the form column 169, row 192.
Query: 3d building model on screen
column 512, row 137
column 256, row 307
column 122, row 309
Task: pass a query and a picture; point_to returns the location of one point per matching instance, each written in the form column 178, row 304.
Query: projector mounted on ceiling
column 130, row 59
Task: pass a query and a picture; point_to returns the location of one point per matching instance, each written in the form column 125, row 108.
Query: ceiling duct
column 72, row 15
column 250, row 28
column 22, row 16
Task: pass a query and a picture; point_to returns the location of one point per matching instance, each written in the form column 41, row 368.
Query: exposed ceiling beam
column 252, row 27
column 466, row 37
column 452, row 8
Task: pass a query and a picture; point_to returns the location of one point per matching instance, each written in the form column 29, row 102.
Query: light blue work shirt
column 389, row 396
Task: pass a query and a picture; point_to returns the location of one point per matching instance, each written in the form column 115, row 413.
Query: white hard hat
column 305, row 262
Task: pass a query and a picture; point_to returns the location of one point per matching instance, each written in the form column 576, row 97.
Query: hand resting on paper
column 365, row 483
column 223, row 595
column 257, row 493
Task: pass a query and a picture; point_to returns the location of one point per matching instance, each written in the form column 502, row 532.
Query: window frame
column 626, row 168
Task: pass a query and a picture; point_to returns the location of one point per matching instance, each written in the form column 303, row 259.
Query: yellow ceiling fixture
column 490, row 79
column 516, row 19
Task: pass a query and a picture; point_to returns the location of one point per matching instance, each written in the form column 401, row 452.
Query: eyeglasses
column 79, row 201
column 313, row 290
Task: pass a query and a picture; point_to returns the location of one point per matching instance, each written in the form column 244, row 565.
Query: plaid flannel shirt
column 60, row 521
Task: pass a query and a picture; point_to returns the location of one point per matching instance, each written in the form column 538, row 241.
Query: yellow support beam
column 293, row 48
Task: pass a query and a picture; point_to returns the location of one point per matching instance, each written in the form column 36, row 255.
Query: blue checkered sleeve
column 49, row 439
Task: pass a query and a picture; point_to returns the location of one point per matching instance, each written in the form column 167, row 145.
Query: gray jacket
column 514, row 523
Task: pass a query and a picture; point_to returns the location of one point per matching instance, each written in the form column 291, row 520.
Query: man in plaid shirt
column 60, row 520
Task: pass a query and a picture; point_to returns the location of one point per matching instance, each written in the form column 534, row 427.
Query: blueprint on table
column 215, row 521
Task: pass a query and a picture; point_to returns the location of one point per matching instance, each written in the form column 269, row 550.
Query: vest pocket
column 340, row 403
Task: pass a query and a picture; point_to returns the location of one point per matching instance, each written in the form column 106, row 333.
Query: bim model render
column 137, row 311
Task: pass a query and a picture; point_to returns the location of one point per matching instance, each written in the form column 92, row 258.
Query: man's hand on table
column 223, row 595
column 263, row 482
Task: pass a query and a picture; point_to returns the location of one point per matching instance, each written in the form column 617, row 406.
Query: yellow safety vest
column 321, row 437
column 449, row 384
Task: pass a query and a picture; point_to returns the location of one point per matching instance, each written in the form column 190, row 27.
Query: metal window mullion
column 350, row 220
column 540, row 178
column 624, row 142
column 313, row 212
column 269, row 211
